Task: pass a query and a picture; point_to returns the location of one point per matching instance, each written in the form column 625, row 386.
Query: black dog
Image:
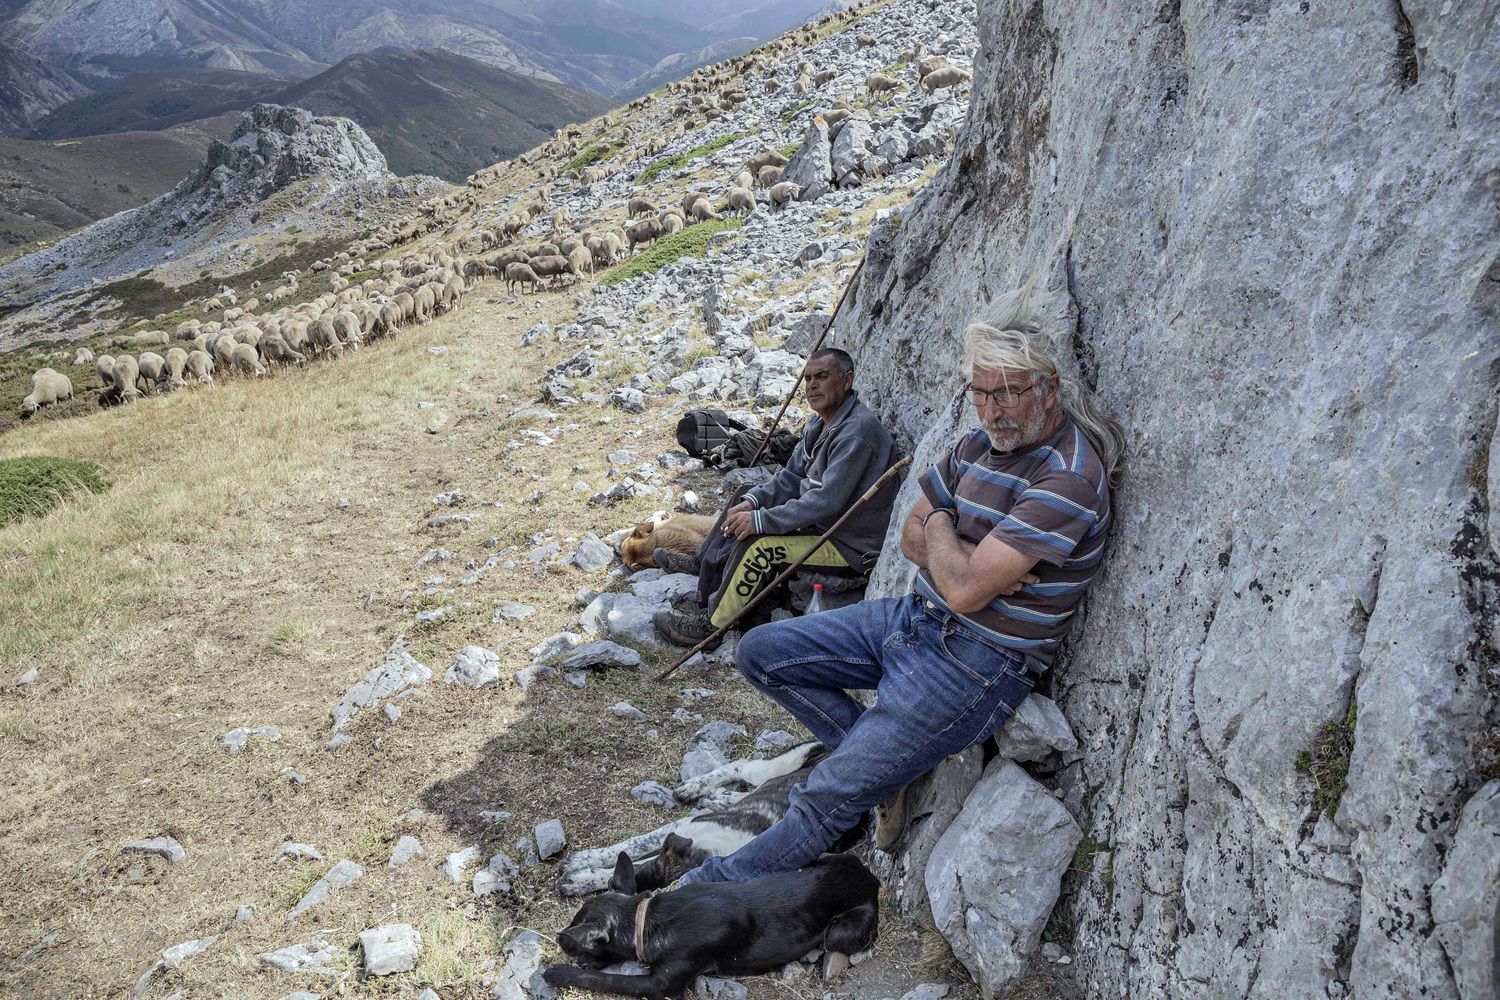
column 732, row 928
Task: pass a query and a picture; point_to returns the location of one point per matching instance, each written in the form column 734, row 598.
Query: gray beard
column 1006, row 435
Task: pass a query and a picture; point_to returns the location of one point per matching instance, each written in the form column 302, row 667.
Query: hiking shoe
column 890, row 821
column 675, row 562
column 684, row 628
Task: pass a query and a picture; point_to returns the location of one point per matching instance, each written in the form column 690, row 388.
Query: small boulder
column 390, row 949
column 474, row 667
column 162, row 847
column 550, row 839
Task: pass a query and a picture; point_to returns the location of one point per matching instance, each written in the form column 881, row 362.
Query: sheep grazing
column 201, row 367
column 47, row 387
column 769, row 158
column 948, row 76
column 741, row 199
column 553, row 266
column 171, row 376
column 647, row 231
column 785, row 191
column 149, row 368
column 273, row 350
column 104, row 367
column 637, row 207
column 880, row 83
column 824, row 76
column 247, row 361
column 930, row 64
column 703, row 211
column 768, row 176
column 517, row 273
column 124, row 376
column 671, row 222
column 83, row 357
column 867, row 41
column 744, row 179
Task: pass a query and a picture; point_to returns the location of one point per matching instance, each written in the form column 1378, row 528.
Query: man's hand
column 739, row 523
column 1012, row 588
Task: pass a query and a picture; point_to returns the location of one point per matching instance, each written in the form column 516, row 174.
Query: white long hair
column 1018, row 331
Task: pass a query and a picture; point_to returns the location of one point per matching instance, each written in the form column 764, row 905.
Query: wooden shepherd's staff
column 875, row 488
column 853, row 280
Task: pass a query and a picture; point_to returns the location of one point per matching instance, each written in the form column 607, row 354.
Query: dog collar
column 640, row 930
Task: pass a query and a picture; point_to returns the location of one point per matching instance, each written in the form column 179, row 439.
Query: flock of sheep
column 247, row 340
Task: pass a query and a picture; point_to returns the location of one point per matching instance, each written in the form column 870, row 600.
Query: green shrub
column 679, row 160
column 591, row 155
column 786, row 119
column 1326, row 760
column 791, row 150
column 689, row 242
column 30, row 487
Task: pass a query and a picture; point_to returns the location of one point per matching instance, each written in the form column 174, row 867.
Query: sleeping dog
column 729, row 928
column 663, row 855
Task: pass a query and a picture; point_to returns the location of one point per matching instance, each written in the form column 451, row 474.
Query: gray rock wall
column 1274, row 228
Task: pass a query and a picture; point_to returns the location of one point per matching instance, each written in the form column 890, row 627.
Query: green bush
column 679, row 160
column 786, row 119
column 30, row 487
column 689, row 242
column 1326, row 760
column 790, row 150
column 591, row 155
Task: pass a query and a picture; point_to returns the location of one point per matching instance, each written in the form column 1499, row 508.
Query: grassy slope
column 49, row 187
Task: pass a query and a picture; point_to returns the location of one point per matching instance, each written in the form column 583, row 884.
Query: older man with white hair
column 1007, row 536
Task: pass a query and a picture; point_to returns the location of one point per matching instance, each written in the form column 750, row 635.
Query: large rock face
column 1274, row 229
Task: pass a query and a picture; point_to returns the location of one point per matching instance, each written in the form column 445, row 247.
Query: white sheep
column 47, row 387
column 201, row 366
column 784, row 191
column 83, row 357
column 741, row 199
column 149, row 367
column 171, row 377
column 247, row 361
column 948, row 76
column 124, row 375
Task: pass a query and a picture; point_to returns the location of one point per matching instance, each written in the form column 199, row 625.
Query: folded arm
column 968, row 576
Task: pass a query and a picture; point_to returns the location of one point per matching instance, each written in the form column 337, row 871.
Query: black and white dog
column 730, row 928
column 664, row 854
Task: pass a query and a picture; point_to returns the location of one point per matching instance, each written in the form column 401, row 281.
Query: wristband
column 940, row 510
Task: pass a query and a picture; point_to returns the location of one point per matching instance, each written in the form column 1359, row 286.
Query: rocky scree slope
column 1275, row 233
column 272, row 148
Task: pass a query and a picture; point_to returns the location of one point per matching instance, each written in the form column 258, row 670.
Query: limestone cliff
column 1274, row 226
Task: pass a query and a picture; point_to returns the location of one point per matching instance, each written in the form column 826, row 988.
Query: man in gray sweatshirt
column 843, row 450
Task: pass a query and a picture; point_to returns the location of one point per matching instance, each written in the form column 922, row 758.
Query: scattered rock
column 775, row 741
column 162, row 847
column 629, row 400
column 625, row 710
column 474, row 667
column 392, row 712
column 407, row 847
column 512, row 611
column 390, row 949
column 244, row 913
column 927, row 991
column 1036, row 730
column 591, row 554
column 398, row 672
column 296, row 852
column 521, row 977
column 459, row 862
column 721, row 735
column 171, row 959
column 448, row 499
column 601, row 655
column 550, row 839
column 700, row 760
column 317, row 957
column 650, row 793
column 341, row 875
column 716, row 988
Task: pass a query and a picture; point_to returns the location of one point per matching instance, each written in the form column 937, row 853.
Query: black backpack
column 702, row 431
column 740, row 449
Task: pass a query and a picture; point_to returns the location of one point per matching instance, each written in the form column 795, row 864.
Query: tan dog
column 677, row 533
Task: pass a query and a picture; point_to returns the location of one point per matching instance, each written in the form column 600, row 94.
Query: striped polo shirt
column 1050, row 501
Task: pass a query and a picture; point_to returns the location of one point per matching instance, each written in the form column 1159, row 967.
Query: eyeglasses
column 1000, row 397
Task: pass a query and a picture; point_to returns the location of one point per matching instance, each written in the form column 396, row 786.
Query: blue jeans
column 939, row 690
